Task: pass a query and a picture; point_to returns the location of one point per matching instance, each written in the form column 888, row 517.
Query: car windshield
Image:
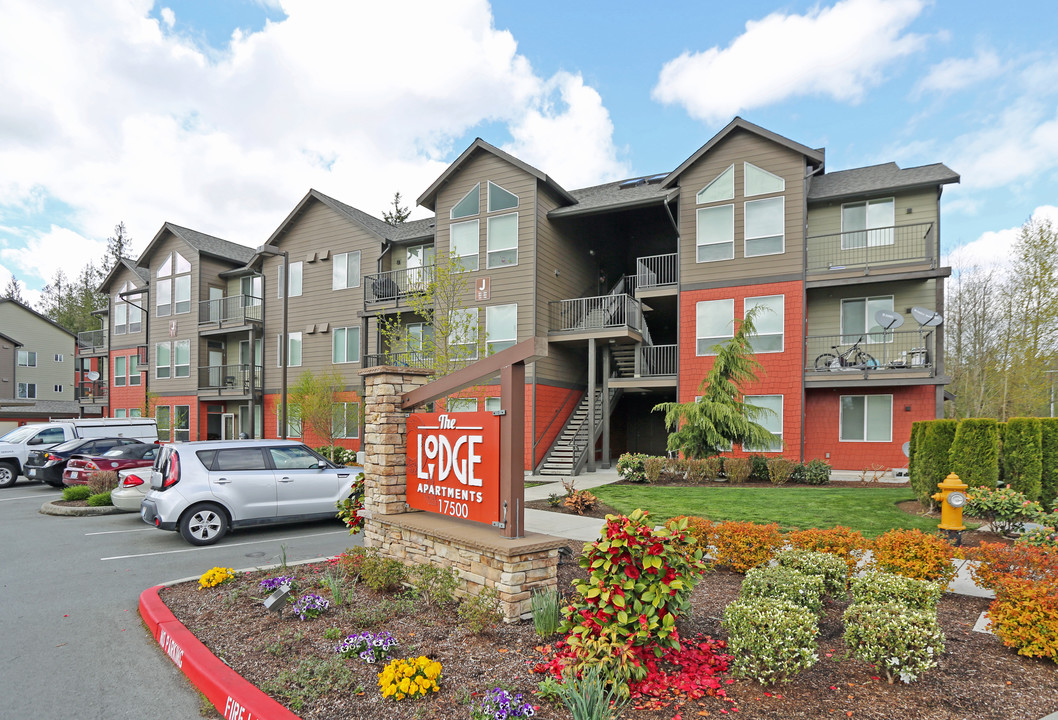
column 68, row 445
column 19, row 434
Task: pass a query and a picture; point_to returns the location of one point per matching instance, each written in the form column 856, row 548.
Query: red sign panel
column 454, row 464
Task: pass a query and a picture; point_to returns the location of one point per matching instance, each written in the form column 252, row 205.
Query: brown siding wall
column 737, row 148
column 824, row 304
column 186, row 323
column 128, row 340
column 910, row 208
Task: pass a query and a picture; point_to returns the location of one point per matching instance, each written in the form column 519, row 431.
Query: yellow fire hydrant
column 952, row 497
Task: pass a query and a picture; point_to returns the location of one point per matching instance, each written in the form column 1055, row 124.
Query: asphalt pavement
column 71, row 642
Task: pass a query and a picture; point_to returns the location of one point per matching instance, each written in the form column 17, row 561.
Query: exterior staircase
column 569, row 452
column 623, row 358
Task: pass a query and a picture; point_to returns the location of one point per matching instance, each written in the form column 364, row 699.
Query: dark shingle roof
column 876, row 178
column 10, row 339
column 210, row 245
column 611, row 196
column 144, row 274
column 413, row 230
column 42, row 408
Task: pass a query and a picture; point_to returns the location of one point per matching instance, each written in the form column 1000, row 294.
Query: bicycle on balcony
column 852, row 359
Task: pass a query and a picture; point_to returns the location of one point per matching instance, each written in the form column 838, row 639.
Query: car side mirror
column 38, row 440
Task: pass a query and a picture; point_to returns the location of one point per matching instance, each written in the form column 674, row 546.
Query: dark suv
column 47, row 465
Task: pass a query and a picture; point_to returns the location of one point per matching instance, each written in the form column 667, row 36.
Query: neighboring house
column 632, row 283
column 40, row 383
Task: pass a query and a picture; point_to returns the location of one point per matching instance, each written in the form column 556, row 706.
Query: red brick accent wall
column 127, row 397
column 270, row 418
column 781, row 373
column 822, row 416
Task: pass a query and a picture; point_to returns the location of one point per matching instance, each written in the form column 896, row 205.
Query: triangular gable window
column 167, row 267
column 500, row 199
column 469, row 205
column 761, row 182
column 722, row 188
column 182, row 265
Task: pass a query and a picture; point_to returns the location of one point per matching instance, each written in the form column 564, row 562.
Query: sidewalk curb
column 50, row 508
column 230, row 693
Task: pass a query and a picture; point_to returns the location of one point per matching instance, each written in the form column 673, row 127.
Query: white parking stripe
column 27, row 497
column 220, row 547
column 115, row 532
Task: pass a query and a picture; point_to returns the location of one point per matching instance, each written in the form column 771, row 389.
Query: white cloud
column 48, row 252
column 835, row 52
column 957, row 73
column 1020, row 142
column 992, row 250
column 113, row 115
column 168, row 17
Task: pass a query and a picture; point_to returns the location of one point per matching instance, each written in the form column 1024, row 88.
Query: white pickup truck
column 16, row 445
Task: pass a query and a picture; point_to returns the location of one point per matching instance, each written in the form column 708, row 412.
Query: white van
column 16, row 445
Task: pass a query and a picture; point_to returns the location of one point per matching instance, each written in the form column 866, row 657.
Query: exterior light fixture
column 278, row 599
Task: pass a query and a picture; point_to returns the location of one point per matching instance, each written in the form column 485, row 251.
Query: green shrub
column 798, row 474
column 737, row 470
column 714, row 467
column 1044, row 537
column 1006, row 509
column 913, row 469
column 434, row 584
column 351, row 561
column 876, row 587
column 99, row 499
column 589, row 695
column 481, row 612
column 904, row 643
column 547, row 612
column 1049, row 462
column 652, row 468
column 630, row 467
column 914, row 554
column 785, row 583
column 697, row 470
column 382, row 574
column 758, row 467
column 1002, row 428
column 780, row 470
column 831, row 569
column 1022, row 456
column 101, row 482
column 975, row 452
column 932, row 458
column 817, row 472
column 770, row 640
column 77, row 492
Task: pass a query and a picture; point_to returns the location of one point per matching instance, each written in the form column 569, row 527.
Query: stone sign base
column 514, row 566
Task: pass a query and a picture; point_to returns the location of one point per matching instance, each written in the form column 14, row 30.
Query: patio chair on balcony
column 384, row 289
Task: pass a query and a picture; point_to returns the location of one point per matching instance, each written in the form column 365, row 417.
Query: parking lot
column 73, row 643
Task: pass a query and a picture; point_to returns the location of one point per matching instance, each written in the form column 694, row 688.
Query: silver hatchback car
column 204, row 489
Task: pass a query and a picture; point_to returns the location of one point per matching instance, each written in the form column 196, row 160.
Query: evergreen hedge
column 1022, row 456
column 913, row 470
column 932, row 458
column 1002, row 427
column 975, row 452
column 1049, row 474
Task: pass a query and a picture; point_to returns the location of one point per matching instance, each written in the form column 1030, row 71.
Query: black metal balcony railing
column 229, row 377
column 867, row 249
column 596, row 313
column 657, row 360
column 414, row 358
column 88, row 392
column 827, row 356
column 240, row 309
column 657, row 270
column 395, row 284
column 92, row 340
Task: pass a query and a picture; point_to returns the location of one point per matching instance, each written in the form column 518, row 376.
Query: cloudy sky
column 220, row 115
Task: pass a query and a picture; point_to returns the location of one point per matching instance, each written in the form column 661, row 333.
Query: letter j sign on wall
column 454, row 464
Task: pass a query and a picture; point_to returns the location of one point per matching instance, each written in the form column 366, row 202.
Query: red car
column 80, row 467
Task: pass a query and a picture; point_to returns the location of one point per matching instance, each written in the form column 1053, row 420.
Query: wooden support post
column 591, row 405
column 512, row 448
column 606, row 406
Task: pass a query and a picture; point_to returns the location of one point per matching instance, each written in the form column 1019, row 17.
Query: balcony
column 899, row 248
column 90, row 342
column 837, row 360
column 657, row 275
column 91, row 393
column 395, row 285
column 229, row 313
column 604, row 316
column 229, row 380
column 644, row 365
column 415, row 358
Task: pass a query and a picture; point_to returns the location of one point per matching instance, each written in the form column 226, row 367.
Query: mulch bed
column 977, row 678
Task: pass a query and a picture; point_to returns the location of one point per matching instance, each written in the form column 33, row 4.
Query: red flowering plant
column 349, row 509
column 624, row 615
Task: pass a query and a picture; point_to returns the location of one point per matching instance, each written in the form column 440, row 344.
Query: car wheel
column 203, row 524
column 8, row 474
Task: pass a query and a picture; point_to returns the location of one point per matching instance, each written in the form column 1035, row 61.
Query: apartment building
column 36, row 367
column 632, row 282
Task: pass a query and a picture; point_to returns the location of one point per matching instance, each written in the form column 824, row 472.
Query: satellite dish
column 91, row 376
column 926, row 317
column 888, row 320
column 906, row 447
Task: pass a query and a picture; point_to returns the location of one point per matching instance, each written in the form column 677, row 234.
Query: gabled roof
column 142, row 273
column 615, row 196
column 10, row 339
column 816, row 156
column 428, row 198
column 200, row 242
column 28, row 309
column 877, row 178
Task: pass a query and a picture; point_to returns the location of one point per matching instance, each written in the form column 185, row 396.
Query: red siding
column 270, row 418
column 126, row 397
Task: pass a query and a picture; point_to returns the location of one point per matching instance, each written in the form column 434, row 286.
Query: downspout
column 147, row 337
column 804, row 297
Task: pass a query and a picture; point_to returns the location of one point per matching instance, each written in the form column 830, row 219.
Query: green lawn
column 872, row 512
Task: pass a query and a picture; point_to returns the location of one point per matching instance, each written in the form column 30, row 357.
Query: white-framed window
column 345, row 345
column 121, row 315
column 163, row 360
column 715, row 238
column 135, row 413
column 27, row 358
column 866, row 418
column 58, row 388
column 469, row 204
column 502, row 240
column 858, row 321
column 714, row 323
column 415, row 335
column 346, row 420
column 770, row 421
column 345, row 271
column 492, row 404
column 295, row 279
column 244, row 352
column 293, row 350
column 720, row 189
column 27, row 391
column 765, row 226
column 174, row 280
column 769, row 323
column 120, row 371
column 128, row 317
column 500, row 199
column 182, row 294
column 119, row 412
column 244, row 420
column 163, row 298
column 293, row 425
column 464, row 335
column 134, row 370
column 182, row 358
column 461, row 405
column 181, row 423
column 867, row 224
column 162, row 415
column 465, row 243
column 59, row 357
column 252, row 288
column 757, row 181
column 501, row 327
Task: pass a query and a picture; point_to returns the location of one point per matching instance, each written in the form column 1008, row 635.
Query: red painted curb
column 233, row 696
